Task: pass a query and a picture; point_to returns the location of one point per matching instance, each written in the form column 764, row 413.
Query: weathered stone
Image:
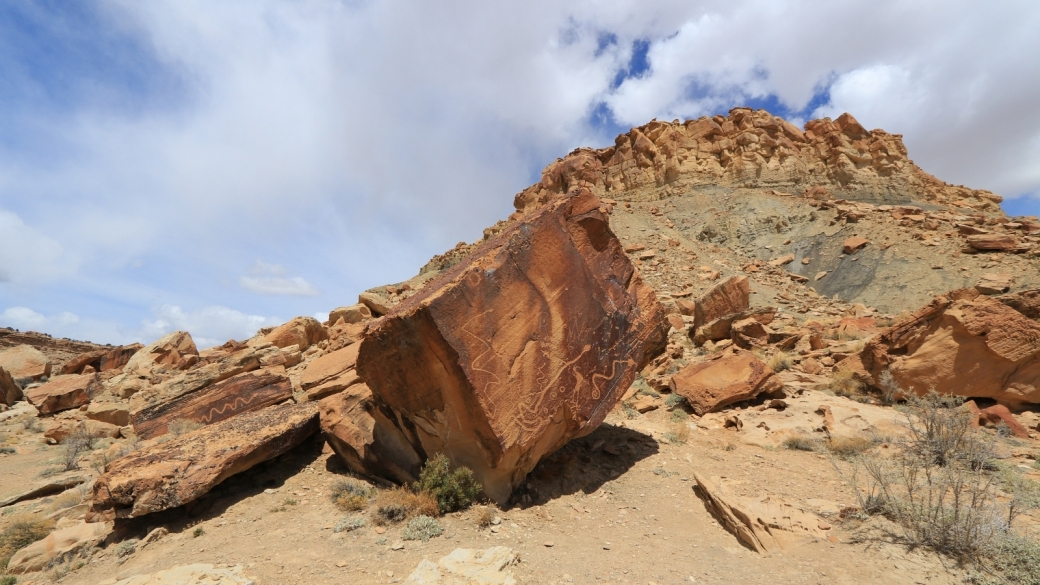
column 993, row 242
column 524, row 345
column 853, row 244
column 331, row 373
column 361, row 432
column 196, row 574
column 377, row 304
column 748, row 332
column 1026, row 302
column 994, row 284
column 113, row 413
column 54, row 485
column 171, row 474
column 352, row 314
column 89, row 428
column 64, row 392
column 24, row 362
column 301, row 331
column 231, row 397
column 38, row 555
column 466, row 567
column 730, row 296
column 731, row 377
column 962, row 344
column 343, row 334
column 782, row 260
column 175, row 351
column 721, row 328
column 10, row 391
column 101, row 360
column 996, row 415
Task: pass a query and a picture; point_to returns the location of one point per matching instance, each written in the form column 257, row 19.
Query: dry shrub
column 69, row 498
column 485, row 516
column 848, row 447
column 398, row 504
column 21, row 531
column 183, row 426
column 844, row 383
column 780, row 361
column 452, row 490
column 679, row 434
column 422, row 528
column 350, row 495
column 801, row 443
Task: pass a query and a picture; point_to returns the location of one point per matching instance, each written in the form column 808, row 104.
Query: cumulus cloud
column 208, row 326
column 149, row 150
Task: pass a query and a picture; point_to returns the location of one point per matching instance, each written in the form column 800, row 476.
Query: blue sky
column 219, row 167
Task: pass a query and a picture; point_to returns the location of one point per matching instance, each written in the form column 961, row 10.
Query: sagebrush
column 453, row 490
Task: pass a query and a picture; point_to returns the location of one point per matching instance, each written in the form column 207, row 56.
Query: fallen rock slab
column 102, row 360
column 765, row 525
column 171, row 474
column 730, row 296
column 728, row 378
column 197, row 574
column 64, row 392
column 961, row 344
column 84, row 428
column 331, row 373
column 113, row 413
column 993, row 242
column 10, row 391
column 175, row 351
column 467, row 566
column 994, row 284
column 25, row 362
column 525, row 344
column 721, row 328
column 352, row 314
column 54, row 485
column 1026, row 302
column 235, row 396
column 39, row 555
column 301, row 331
column 854, row 244
column 366, row 439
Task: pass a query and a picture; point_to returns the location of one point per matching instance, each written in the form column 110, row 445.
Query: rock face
column 752, row 146
column 521, row 347
column 64, row 392
column 722, row 327
column 962, row 344
column 466, row 566
column 363, row 435
column 10, row 392
column 175, row 351
column 38, row 555
column 171, row 474
column 301, row 331
column 1026, row 302
column 732, row 295
column 331, row 373
column 236, row 395
column 25, row 362
column 732, row 377
column 102, row 360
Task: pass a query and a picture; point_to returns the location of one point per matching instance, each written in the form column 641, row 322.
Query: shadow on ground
column 585, row 464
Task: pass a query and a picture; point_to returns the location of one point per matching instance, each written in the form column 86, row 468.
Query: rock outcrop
column 749, row 146
column 175, row 351
column 38, row 555
column 730, row 296
column 331, row 373
column 171, row 474
column 301, row 331
column 964, row 344
column 10, row 391
column 102, row 360
column 521, row 347
column 25, row 362
column 728, row 378
column 64, row 392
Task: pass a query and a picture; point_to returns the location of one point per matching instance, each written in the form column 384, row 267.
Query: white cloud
column 25, row 318
column 29, row 256
column 270, row 279
column 208, row 326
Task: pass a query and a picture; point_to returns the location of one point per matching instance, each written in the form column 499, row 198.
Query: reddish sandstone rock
column 962, row 344
column 174, row 473
column 352, row 314
column 994, row 284
column 853, row 244
column 331, row 373
column 101, row 360
column 362, row 434
column 25, row 362
column 994, row 243
column 10, row 391
column 729, row 378
column 1026, row 302
column 721, row 328
column 175, row 351
column 524, row 345
column 995, row 415
column 114, row 413
column 63, row 393
column 730, row 296
column 92, row 428
column 301, row 331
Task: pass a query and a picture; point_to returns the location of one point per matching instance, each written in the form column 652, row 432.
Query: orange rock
column 993, row 242
column 721, row 328
column 331, row 373
column 343, row 334
column 175, row 351
column 998, row 414
column 25, row 362
column 853, row 244
column 782, row 260
column 962, row 344
column 352, row 314
column 63, row 393
column 10, row 392
column 994, row 284
column 301, row 331
column 712, row 384
column 101, row 360
column 97, row 429
column 730, row 296
column 675, row 321
column 1026, row 302
column 524, row 345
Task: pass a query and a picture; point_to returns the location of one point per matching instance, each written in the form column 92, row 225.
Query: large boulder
column 724, row 379
column 102, row 360
column 64, row 392
column 171, row 474
column 25, row 362
column 175, row 351
column 524, row 345
column 235, row 396
column 301, row 331
column 331, row 373
column 10, row 391
column 964, row 344
column 40, row 554
column 722, row 327
column 1026, row 302
column 730, row 296
column 362, row 433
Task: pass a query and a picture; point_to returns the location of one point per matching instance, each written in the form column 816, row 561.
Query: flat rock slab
column 467, row 566
column 40, row 554
column 197, row 574
column 730, row 296
column 524, row 345
column 10, row 392
column 732, row 377
column 331, row 373
column 64, row 392
column 53, row 486
column 236, row 395
column 176, row 472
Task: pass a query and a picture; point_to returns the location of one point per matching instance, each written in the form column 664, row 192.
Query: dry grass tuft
column 183, row 426
column 848, row 447
column 844, row 383
column 399, row 504
column 21, row 531
column 780, row 361
column 350, row 494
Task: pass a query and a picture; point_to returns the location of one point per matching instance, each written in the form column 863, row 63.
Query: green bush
column 453, row 490
column 8, row 580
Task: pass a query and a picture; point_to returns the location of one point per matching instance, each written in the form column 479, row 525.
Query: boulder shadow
column 584, row 465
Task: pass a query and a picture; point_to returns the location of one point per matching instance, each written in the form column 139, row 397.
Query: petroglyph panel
column 236, row 395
